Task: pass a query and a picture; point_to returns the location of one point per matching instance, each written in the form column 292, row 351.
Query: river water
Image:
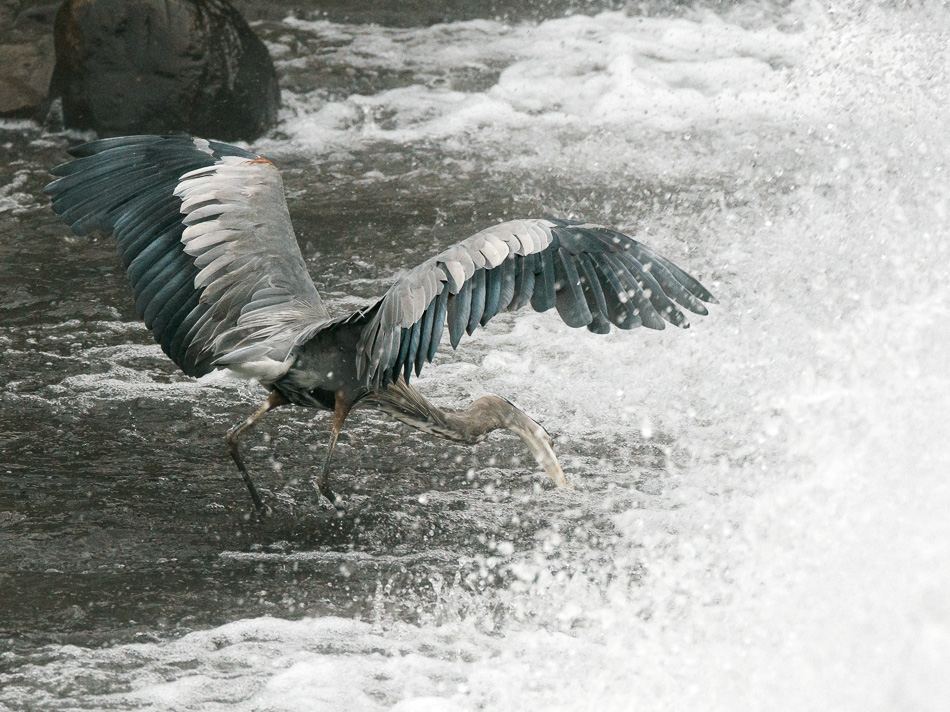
column 758, row 519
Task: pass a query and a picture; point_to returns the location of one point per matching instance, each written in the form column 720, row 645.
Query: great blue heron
column 204, row 233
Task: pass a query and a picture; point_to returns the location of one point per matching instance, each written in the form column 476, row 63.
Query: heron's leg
column 340, row 411
column 234, row 434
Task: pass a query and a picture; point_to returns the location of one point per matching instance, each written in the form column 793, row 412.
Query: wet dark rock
column 26, row 57
column 162, row 66
column 26, row 71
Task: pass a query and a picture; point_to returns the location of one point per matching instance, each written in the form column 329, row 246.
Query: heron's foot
column 260, row 512
column 323, row 490
column 334, row 499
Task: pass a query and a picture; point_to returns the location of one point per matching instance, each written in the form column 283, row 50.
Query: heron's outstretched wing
column 592, row 275
column 204, row 233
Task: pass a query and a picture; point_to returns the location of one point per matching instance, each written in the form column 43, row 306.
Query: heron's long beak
column 540, row 444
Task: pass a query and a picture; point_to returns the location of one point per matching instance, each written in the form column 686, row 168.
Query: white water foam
column 797, row 554
column 593, row 90
column 15, row 201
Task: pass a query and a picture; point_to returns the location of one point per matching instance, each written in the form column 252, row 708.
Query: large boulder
column 26, row 56
column 25, row 69
column 162, row 66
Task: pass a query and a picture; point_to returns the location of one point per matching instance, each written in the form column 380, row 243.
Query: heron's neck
column 404, row 403
column 486, row 414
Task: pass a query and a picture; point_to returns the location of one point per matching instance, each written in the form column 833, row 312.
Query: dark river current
column 758, row 513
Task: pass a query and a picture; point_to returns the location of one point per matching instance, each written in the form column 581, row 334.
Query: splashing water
column 789, row 548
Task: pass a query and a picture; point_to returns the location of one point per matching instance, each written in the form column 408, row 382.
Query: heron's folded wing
column 204, row 233
column 592, row 275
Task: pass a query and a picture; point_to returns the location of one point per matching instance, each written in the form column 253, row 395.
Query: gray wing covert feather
column 592, row 275
column 203, row 230
column 261, row 298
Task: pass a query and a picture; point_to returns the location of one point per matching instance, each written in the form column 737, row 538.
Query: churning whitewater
column 759, row 513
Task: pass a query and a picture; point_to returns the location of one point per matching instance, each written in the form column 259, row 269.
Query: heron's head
column 531, row 432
